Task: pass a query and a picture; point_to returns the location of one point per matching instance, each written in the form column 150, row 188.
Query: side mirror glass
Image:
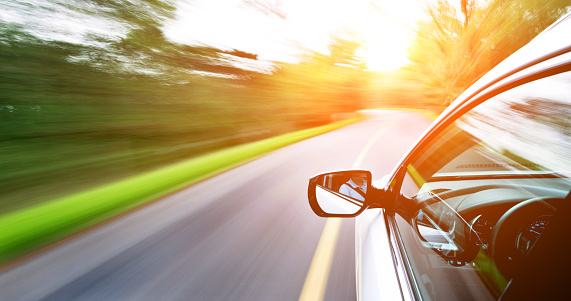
column 339, row 194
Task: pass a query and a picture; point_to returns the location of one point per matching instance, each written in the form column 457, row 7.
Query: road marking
column 316, row 280
column 318, row 274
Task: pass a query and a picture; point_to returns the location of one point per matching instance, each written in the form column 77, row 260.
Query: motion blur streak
column 247, row 234
column 86, row 105
column 93, row 92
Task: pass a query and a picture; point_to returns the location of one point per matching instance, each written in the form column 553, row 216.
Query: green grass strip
column 32, row 228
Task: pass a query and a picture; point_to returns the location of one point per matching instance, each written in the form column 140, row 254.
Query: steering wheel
column 505, row 253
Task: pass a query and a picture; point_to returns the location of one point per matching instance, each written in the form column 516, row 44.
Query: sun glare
column 384, row 58
column 384, row 27
column 387, row 30
column 385, row 51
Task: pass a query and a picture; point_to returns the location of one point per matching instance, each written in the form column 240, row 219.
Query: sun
column 386, row 35
column 384, row 55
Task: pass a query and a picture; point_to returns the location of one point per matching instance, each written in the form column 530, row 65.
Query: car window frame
column 465, row 106
column 525, row 74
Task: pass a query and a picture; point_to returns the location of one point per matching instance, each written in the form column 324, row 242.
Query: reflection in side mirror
column 339, row 194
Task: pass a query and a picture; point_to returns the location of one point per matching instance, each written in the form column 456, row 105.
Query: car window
column 481, row 194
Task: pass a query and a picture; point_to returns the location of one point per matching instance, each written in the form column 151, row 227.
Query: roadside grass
column 35, row 227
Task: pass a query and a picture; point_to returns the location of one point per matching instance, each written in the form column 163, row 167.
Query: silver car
column 480, row 207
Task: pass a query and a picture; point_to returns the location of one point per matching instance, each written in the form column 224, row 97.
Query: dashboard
column 483, row 226
column 508, row 222
column 526, row 236
column 503, row 221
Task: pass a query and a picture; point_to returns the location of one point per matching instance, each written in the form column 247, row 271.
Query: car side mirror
column 339, row 194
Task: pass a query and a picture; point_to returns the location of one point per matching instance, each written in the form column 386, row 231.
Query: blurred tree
column 138, row 13
column 467, row 7
column 432, row 53
column 105, row 104
column 78, row 113
column 243, row 54
column 319, row 86
column 449, row 54
column 268, row 7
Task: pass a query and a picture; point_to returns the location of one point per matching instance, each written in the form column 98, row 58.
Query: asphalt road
column 246, row 234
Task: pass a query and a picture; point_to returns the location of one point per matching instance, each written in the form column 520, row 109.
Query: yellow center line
column 318, row 274
column 316, row 280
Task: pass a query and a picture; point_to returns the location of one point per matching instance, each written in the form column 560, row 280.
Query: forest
column 76, row 115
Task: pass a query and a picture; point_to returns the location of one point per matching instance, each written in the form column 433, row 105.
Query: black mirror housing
column 340, row 193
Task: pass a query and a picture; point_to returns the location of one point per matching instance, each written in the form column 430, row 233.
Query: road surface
column 246, row 234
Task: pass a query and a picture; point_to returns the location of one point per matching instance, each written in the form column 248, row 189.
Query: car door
column 476, row 198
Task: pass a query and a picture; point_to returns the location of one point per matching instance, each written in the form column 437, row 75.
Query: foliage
column 319, row 86
column 79, row 113
column 449, row 54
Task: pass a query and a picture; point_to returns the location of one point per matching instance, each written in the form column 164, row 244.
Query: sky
column 275, row 30
column 57, row 20
column 279, row 30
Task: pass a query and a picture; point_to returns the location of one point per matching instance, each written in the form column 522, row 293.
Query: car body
column 478, row 208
